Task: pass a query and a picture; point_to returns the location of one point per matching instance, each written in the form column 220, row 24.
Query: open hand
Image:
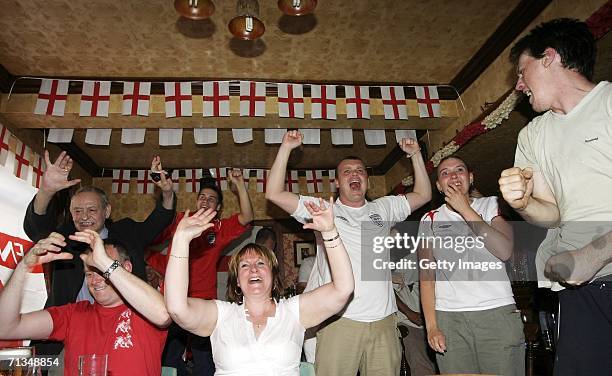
column 55, row 177
column 190, row 227
column 322, row 215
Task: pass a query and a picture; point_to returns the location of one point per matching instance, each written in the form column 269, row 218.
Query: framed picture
column 302, row 250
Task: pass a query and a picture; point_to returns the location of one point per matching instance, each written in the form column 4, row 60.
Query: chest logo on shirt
column 211, row 238
column 342, row 218
column 444, row 226
column 124, row 331
column 377, row 219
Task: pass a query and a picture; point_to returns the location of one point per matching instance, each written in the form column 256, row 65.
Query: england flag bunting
column 136, row 98
column 95, row 98
column 262, row 180
column 323, row 102
column 428, row 101
column 252, row 98
column 394, row 102
column 332, row 180
column 291, row 101
column 38, row 169
column 357, row 102
column 144, row 183
column 220, row 176
column 52, row 97
column 5, row 135
column 216, row 99
column 121, row 181
column 314, row 181
column 57, row 135
column 22, row 161
column 192, row 179
column 178, row 99
column 292, row 182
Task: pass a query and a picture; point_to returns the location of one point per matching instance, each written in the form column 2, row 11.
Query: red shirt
column 133, row 344
column 204, row 254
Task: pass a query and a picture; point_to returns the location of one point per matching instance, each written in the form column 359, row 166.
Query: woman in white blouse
column 256, row 333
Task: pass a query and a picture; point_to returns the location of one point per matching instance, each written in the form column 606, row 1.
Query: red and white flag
column 342, row 136
column 170, row 137
column 428, row 101
column 242, row 135
column 192, row 179
column 314, row 181
column 292, row 182
column 291, row 100
column 144, row 183
column 220, row 176
column 178, row 99
column 374, row 137
column 95, row 98
column 21, row 168
column 394, row 102
column 332, row 180
column 205, row 136
column 262, row 180
column 52, row 97
column 5, row 135
column 216, row 99
column 22, row 162
column 357, row 102
column 121, row 181
column 38, row 169
column 252, row 98
column 136, row 98
column 323, row 101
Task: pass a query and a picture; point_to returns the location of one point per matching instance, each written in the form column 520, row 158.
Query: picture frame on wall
column 302, row 250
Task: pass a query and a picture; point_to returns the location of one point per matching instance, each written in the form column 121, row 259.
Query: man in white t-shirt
column 562, row 180
column 364, row 338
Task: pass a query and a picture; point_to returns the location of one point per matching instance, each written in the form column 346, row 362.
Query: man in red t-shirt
column 204, row 254
column 126, row 320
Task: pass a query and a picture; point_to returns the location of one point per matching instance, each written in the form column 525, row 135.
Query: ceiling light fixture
column 297, row 7
column 194, row 9
column 246, row 25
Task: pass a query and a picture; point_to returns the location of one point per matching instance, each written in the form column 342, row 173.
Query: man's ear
column 107, row 211
column 550, row 54
column 127, row 265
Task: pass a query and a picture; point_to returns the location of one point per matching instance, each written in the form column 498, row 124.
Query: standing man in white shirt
column 364, row 337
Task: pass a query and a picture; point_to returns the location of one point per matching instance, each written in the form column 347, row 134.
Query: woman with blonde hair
column 256, row 332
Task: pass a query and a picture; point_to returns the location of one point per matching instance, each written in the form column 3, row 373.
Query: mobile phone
column 156, row 176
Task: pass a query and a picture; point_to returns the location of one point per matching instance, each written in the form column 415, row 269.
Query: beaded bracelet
column 334, row 238
column 413, row 154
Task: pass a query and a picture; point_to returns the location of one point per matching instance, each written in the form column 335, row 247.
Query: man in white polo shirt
column 364, row 337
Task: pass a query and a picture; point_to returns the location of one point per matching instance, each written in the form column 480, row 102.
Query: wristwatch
column 111, row 269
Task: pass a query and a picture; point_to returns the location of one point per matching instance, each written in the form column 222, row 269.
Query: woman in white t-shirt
column 471, row 320
column 256, row 332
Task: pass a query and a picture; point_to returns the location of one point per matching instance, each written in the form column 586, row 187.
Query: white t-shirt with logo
column 468, row 288
column 373, row 298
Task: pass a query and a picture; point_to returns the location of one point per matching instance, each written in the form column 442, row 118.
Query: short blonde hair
column 234, row 293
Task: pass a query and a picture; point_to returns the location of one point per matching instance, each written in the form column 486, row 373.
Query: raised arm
column 246, row 208
column 198, row 316
column 275, row 189
column 137, row 293
column 320, row 303
column 33, row 325
column 527, row 192
column 54, row 179
column 427, row 278
column 421, row 194
column 164, row 184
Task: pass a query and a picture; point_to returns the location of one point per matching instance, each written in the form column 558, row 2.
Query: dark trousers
column 584, row 346
column 177, row 342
